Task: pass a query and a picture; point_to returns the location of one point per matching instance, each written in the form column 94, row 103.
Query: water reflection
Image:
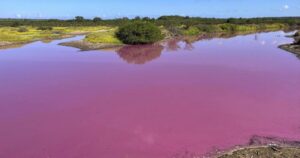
column 11, row 46
column 140, row 54
column 172, row 45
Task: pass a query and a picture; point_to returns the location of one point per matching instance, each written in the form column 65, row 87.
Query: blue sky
column 65, row 9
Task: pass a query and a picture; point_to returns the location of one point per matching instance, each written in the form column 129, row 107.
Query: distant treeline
column 166, row 21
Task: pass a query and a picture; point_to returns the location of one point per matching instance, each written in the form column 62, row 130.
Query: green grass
column 229, row 28
column 12, row 34
column 107, row 36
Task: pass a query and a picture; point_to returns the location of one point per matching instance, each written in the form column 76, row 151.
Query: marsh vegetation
column 140, row 30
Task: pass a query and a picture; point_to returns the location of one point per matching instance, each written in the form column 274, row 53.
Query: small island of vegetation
column 139, row 33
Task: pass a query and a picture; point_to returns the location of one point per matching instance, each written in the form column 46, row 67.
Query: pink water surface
column 147, row 102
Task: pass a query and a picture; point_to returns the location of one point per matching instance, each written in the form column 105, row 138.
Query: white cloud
column 286, row 6
column 18, row 15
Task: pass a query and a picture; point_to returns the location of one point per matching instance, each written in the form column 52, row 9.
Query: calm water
column 146, row 102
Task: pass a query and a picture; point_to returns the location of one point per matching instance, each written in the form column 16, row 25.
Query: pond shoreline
column 275, row 151
column 7, row 45
column 84, row 45
column 259, row 146
column 292, row 47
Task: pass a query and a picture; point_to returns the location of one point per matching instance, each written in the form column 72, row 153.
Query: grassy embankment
column 26, row 34
column 109, row 36
column 230, row 28
column 106, row 36
column 293, row 47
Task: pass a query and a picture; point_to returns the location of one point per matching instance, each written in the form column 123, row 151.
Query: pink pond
column 147, row 101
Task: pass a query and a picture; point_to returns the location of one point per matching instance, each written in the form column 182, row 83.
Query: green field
column 14, row 35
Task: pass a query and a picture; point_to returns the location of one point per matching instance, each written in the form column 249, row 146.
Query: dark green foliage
column 208, row 28
column 22, row 29
column 79, row 19
column 43, row 28
column 297, row 41
column 146, row 19
column 139, row 33
column 137, row 18
column 228, row 27
column 166, row 21
column 15, row 24
column 97, row 19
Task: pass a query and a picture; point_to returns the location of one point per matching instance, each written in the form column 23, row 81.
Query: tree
column 22, row 29
column 146, row 19
column 97, row 19
column 137, row 18
column 79, row 18
column 139, row 33
column 16, row 24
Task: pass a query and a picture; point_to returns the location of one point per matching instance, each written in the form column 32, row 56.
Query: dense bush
column 15, row 24
column 97, row 19
column 22, row 29
column 191, row 31
column 228, row 27
column 139, row 33
column 209, row 28
column 79, row 19
column 43, row 28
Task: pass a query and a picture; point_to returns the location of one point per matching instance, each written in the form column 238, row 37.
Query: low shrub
column 43, row 28
column 191, row 31
column 22, row 29
column 139, row 32
column 228, row 27
column 15, row 24
column 209, row 28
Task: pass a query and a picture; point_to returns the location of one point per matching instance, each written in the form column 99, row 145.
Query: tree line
column 166, row 21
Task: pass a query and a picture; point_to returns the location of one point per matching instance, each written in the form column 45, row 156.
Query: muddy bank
column 264, row 147
column 7, row 45
column 83, row 45
column 293, row 47
column 17, row 44
column 264, row 152
column 257, row 147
